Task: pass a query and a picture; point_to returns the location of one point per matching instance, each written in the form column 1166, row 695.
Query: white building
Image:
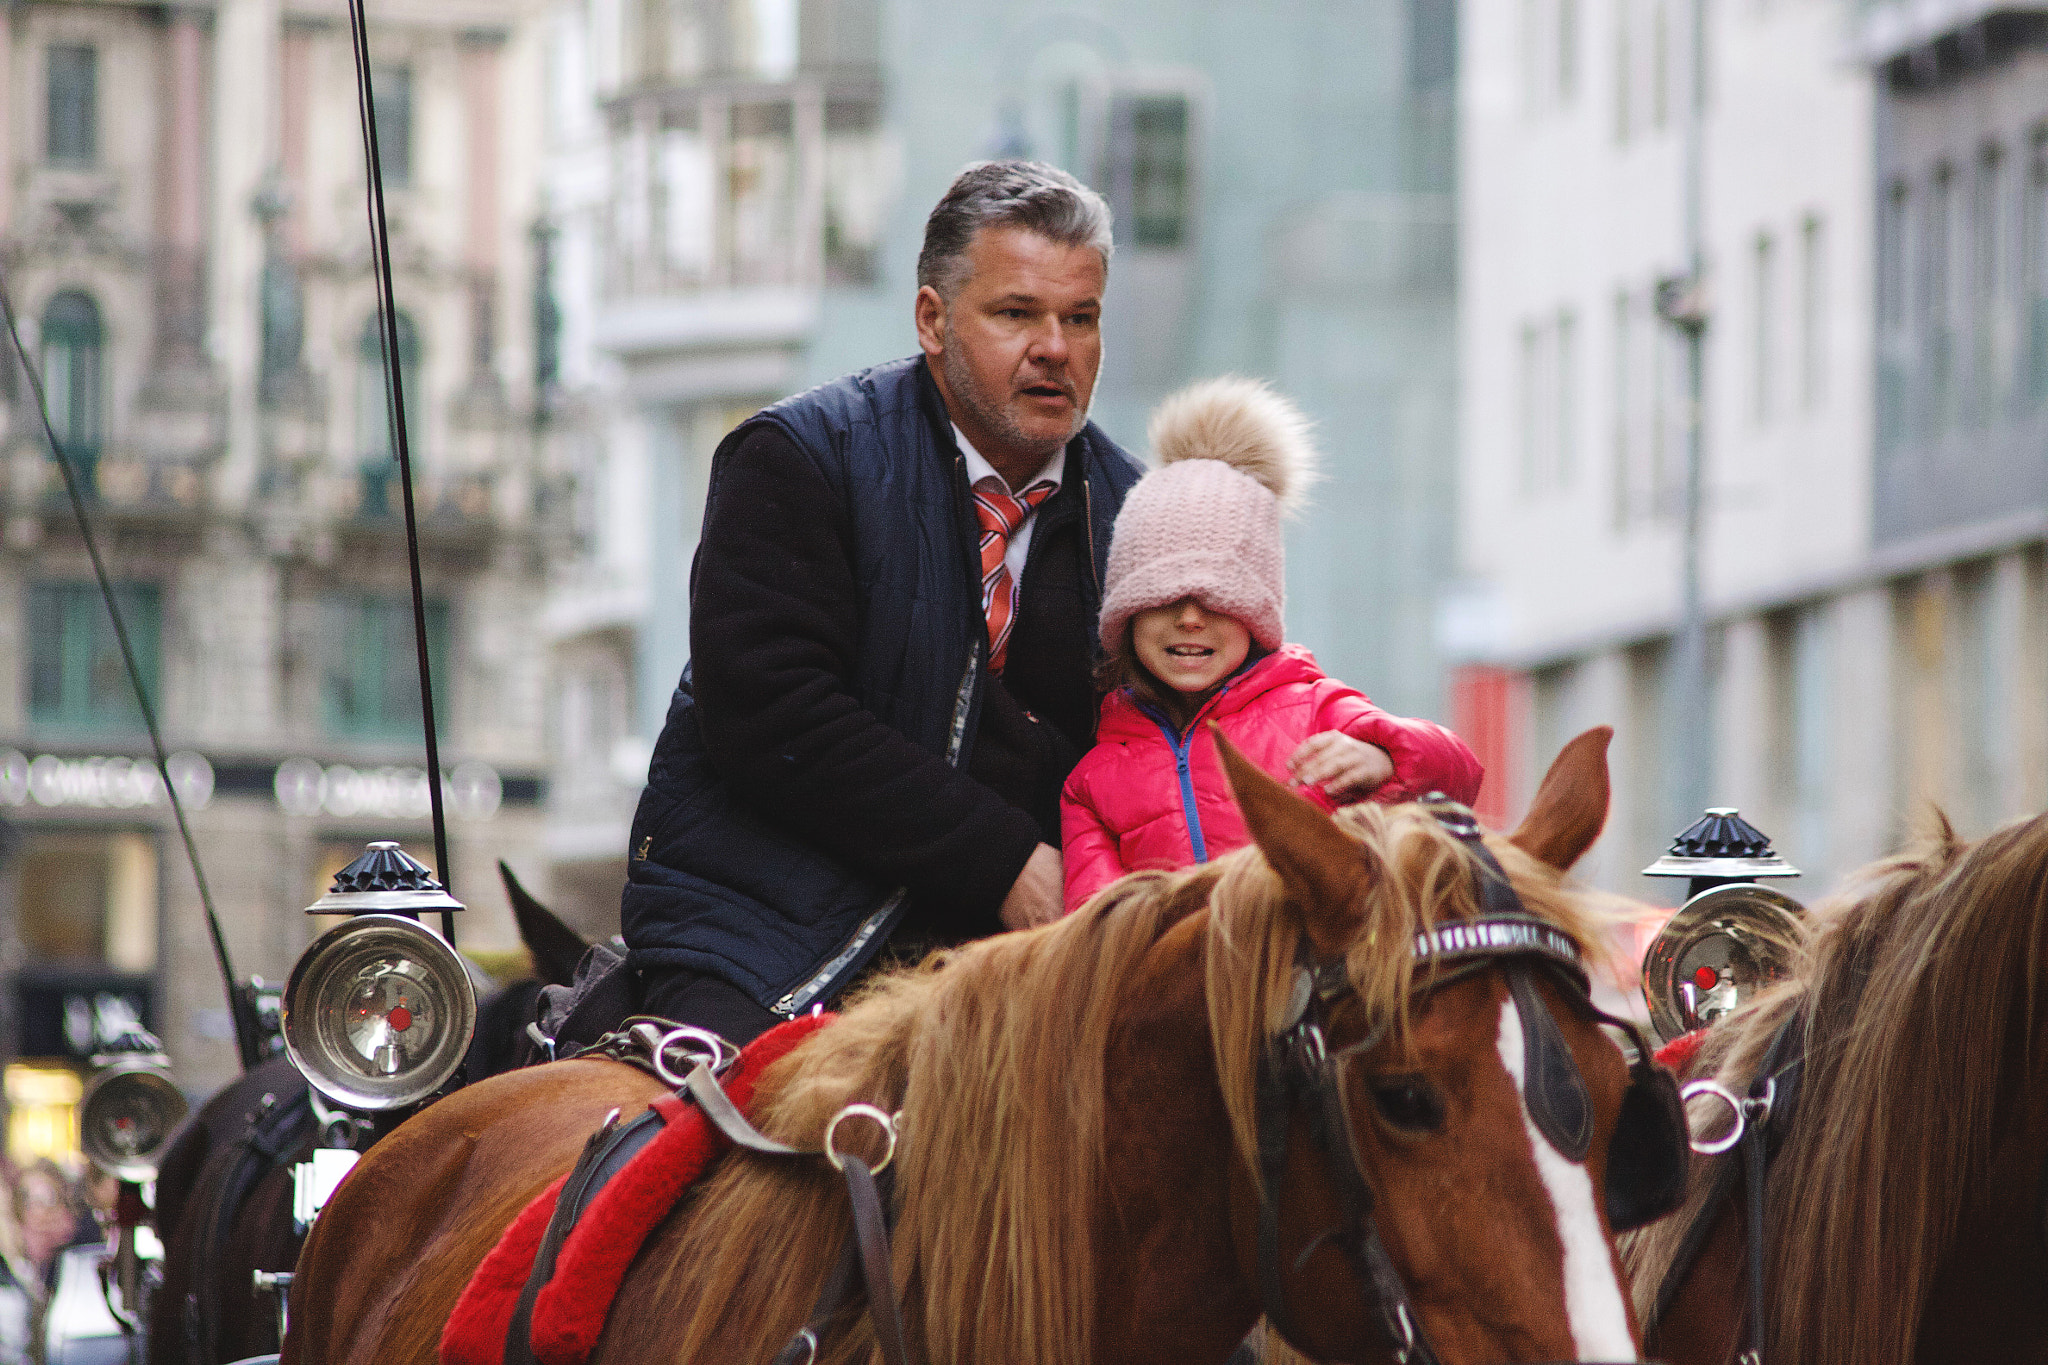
column 1574, row 180
column 1876, row 192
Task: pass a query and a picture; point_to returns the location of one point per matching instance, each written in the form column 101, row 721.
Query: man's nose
column 1049, row 344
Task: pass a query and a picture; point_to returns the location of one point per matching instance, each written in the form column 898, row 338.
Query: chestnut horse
column 1078, row 1180
column 1903, row 1211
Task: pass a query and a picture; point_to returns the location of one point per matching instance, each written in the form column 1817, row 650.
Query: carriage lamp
column 1732, row 937
column 379, row 1011
column 130, row 1110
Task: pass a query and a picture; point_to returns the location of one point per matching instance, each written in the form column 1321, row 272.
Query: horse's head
column 1434, row 1153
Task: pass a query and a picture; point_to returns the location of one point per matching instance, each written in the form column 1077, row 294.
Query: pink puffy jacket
column 1144, row 797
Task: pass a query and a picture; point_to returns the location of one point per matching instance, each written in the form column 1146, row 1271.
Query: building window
column 77, row 680
column 369, row 673
column 373, row 413
column 1567, row 439
column 1763, row 342
column 74, row 377
column 1991, row 361
column 1624, row 409
column 1624, row 61
column 391, row 90
column 1148, row 167
column 1937, row 301
column 2036, row 266
column 1534, row 365
column 1813, row 314
column 89, row 899
column 1894, row 314
column 72, row 134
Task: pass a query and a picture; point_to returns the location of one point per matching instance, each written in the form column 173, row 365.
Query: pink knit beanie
column 1233, row 456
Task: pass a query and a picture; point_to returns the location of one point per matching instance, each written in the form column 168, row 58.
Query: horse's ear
column 1323, row 869
column 1571, row 806
column 554, row 946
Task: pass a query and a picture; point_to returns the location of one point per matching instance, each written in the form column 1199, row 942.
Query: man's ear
column 930, row 313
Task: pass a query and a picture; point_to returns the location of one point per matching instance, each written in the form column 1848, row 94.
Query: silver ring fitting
column 882, row 1118
column 692, row 1046
column 1736, row 1109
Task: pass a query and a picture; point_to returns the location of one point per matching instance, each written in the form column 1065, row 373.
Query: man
column 892, row 630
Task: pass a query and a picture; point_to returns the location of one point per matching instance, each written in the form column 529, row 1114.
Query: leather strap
column 605, row 1153
column 871, row 1233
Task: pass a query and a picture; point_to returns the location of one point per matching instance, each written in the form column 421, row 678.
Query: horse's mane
column 1913, row 984
column 995, row 1053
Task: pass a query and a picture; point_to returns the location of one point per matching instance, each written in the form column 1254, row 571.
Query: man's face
column 1016, row 350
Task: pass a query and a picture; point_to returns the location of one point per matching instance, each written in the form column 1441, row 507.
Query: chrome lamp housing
column 1733, row 938
column 379, row 1011
column 130, row 1111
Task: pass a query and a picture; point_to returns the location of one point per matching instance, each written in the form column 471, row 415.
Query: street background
column 1486, row 244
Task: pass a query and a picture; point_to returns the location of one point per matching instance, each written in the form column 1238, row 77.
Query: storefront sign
column 78, row 1013
column 472, row 791
column 102, row 782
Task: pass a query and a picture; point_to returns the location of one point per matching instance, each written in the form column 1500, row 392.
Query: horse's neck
column 1169, row 1285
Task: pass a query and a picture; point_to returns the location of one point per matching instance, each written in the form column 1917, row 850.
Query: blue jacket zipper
column 1181, row 746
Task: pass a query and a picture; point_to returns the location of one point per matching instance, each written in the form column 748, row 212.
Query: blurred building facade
column 183, row 234
column 740, row 187
column 1872, row 514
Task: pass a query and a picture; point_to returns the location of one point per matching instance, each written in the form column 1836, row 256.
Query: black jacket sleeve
column 774, row 635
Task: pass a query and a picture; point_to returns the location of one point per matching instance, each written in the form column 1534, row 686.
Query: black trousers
column 688, row 997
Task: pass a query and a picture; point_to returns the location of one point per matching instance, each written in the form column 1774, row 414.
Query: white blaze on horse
column 1349, row 1080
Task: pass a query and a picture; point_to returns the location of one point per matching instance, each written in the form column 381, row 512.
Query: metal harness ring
column 1736, row 1107
column 694, row 1045
column 883, row 1118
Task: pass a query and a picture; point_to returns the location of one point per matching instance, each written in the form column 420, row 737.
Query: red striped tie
column 1000, row 514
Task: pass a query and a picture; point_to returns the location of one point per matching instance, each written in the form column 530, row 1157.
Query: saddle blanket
column 569, row 1314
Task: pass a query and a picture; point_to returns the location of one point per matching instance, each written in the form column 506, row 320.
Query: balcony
column 1918, row 42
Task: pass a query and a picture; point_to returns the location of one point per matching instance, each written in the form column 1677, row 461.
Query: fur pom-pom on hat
column 1245, row 424
column 1206, row 524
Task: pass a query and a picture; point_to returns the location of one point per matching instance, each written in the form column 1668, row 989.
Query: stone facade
column 183, row 235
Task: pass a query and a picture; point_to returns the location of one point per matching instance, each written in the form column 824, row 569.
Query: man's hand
column 1038, row 894
column 1347, row 769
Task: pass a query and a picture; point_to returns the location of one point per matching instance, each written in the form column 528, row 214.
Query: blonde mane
column 996, row 1054
column 1912, row 984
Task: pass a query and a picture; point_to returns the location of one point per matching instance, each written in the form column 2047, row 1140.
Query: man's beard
column 995, row 415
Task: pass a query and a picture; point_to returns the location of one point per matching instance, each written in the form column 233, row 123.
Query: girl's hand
column 1346, row 769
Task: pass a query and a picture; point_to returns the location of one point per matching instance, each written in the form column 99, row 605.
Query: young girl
column 1190, row 622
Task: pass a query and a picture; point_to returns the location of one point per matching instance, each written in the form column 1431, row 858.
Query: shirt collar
column 979, row 468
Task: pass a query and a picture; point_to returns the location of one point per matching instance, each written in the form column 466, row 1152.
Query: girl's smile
column 1188, row 647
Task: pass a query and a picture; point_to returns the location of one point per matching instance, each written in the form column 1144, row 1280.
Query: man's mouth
column 1046, row 391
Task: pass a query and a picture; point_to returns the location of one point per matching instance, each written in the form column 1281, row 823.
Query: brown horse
column 1903, row 1211
column 1078, row 1176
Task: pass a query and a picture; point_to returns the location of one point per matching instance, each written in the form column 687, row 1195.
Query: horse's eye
column 1409, row 1103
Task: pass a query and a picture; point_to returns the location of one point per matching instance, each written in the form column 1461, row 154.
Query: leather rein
column 1300, row 1071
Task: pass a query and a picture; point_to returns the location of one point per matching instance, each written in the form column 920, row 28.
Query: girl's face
column 1187, row 646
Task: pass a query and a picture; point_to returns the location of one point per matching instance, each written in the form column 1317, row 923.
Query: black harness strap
column 605, row 1154
column 1766, row 1118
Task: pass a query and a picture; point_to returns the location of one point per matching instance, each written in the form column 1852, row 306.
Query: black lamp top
column 1721, row 846
column 384, row 877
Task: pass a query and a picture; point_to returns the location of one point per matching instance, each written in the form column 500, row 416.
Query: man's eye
column 1081, row 320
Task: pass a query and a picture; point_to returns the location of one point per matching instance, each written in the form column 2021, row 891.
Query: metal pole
column 1686, row 308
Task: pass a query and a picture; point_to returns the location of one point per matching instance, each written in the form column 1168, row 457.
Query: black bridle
column 1299, row 1071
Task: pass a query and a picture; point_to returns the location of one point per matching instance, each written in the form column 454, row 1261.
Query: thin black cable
column 394, row 411
column 245, row 1042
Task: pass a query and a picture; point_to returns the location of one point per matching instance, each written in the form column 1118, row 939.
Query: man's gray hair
column 1022, row 194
